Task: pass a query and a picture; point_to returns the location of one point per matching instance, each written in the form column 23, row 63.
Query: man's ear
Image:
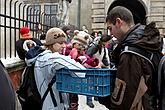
column 118, row 22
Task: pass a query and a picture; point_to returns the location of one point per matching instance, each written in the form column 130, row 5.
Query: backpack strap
column 160, row 69
column 51, row 92
column 140, row 52
column 149, row 56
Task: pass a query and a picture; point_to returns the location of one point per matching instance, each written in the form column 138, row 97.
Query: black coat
column 7, row 94
column 19, row 47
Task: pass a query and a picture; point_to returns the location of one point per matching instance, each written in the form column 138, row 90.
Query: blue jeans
column 89, row 99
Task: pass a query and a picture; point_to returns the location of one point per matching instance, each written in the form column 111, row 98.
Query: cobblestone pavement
column 83, row 106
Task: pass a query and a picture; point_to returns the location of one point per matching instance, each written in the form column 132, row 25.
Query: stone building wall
column 155, row 10
column 94, row 12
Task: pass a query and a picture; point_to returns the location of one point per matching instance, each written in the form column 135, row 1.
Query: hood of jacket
column 33, row 54
column 146, row 37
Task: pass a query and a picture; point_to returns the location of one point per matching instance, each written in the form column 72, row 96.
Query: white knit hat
column 81, row 38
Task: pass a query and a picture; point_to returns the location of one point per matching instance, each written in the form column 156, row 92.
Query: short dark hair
column 120, row 12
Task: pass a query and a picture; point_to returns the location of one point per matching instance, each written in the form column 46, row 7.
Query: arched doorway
column 137, row 7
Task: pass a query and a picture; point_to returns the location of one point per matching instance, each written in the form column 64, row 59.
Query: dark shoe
column 96, row 98
column 73, row 106
column 90, row 104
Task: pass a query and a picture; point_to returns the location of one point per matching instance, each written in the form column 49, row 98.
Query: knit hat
column 24, row 30
column 81, row 38
column 55, row 35
column 88, row 62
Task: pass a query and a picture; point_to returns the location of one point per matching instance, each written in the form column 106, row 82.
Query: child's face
column 80, row 47
column 77, row 45
column 28, row 35
column 104, row 43
column 57, row 47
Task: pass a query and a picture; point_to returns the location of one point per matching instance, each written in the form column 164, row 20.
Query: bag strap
column 149, row 56
column 160, row 69
column 51, row 92
column 140, row 52
column 104, row 56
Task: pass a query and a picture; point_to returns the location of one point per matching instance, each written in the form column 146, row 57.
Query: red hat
column 24, row 30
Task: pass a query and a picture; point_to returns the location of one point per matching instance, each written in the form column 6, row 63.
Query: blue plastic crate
column 97, row 82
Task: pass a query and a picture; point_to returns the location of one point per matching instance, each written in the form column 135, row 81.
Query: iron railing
column 13, row 16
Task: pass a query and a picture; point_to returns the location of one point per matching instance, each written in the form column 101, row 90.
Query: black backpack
column 161, row 83
column 154, row 59
column 28, row 95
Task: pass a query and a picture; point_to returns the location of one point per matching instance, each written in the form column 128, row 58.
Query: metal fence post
column 5, row 28
column 15, row 24
column 19, row 17
column 10, row 29
column 23, row 15
column 33, row 21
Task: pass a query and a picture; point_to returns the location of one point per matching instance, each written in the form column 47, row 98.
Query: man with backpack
column 136, row 58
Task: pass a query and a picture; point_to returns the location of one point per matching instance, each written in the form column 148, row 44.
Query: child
column 80, row 43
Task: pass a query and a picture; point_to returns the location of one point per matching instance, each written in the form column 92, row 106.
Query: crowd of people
column 83, row 48
column 78, row 49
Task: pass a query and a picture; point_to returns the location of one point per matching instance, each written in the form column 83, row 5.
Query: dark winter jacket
column 161, row 83
column 7, row 94
column 133, row 78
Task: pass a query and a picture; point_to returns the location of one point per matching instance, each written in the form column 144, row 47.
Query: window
column 51, row 12
column 36, row 7
column 33, row 15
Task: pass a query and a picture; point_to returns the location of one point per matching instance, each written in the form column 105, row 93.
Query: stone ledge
column 156, row 15
column 15, row 68
column 157, row 10
column 98, row 1
column 98, row 6
column 157, row 18
column 98, row 12
column 158, row 3
column 157, row 0
column 98, row 20
column 98, row 16
column 13, row 64
column 98, row 26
